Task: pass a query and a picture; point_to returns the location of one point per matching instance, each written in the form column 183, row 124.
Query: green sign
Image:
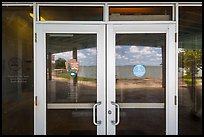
column 72, row 67
column 71, row 72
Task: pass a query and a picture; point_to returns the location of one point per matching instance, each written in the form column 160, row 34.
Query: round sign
column 139, row 70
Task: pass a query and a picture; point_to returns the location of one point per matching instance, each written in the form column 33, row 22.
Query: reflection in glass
column 70, row 122
column 71, row 13
column 17, row 71
column 133, row 50
column 140, row 78
column 63, row 87
column 190, row 70
column 141, row 122
column 140, row 13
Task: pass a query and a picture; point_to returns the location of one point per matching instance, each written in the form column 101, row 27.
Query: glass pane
column 71, row 78
column 140, row 13
column 70, row 122
column 61, row 87
column 17, row 71
column 76, row 13
column 133, row 122
column 140, row 77
column 190, row 70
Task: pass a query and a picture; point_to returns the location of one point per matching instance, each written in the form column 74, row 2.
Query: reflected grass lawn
column 188, row 80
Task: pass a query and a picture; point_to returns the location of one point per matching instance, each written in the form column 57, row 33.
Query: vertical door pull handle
column 94, row 114
column 118, row 114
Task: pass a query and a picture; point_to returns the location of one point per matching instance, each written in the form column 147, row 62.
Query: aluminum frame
column 141, row 105
column 105, row 6
column 171, row 108
column 70, row 105
column 40, row 70
column 35, row 68
column 103, row 3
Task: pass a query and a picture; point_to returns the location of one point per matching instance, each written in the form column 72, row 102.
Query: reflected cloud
column 80, row 55
column 65, row 55
column 132, row 55
column 125, row 55
column 91, row 51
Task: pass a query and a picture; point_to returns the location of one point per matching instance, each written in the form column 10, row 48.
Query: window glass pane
column 62, row 86
column 71, row 79
column 17, row 70
column 76, row 13
column 140, row 68
column 141, row 121
column 70, row 122
column 140, row 13
column 190, row 70
column 140, row 79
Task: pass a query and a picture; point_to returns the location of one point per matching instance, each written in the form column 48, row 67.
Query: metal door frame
column 40, row 72
column 171, row 75
column 106, row 63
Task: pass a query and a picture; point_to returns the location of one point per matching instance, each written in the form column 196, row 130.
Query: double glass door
column 105, row 79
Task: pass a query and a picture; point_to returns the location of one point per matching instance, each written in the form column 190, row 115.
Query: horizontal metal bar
column 103, row 3
column 141, row 105
column 57, row 2
column 85, row 3
column 90, row 105
column 103, row 22
column 189, row 4
column 70, row 105
column 141, row 4
column 147, row 3
column 17, row 5
column 78, row 4
column 70, row 22
column 140, row 22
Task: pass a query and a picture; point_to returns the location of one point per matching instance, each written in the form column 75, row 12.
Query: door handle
column 118, row 114
column 94, row 114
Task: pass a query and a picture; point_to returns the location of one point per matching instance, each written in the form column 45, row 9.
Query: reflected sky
column 86, row 57
column 134, row 55
column 125, row 55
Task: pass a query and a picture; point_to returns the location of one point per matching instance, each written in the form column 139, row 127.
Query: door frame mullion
column 171, row 75
column 111, row 130
column 40, row 70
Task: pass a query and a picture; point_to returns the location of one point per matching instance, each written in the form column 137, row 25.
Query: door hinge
column 35, row 37
column 175, row 100
column 175, row 37
column 36, row 100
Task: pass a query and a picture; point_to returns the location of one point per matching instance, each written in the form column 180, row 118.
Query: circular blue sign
column 139, row 70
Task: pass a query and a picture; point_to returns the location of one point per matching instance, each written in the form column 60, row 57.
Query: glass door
column 141, row 90
column 70, row 74
column 83, row 88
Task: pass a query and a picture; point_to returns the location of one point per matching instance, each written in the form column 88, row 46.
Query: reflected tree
column 60, row 63
column 191, row 61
